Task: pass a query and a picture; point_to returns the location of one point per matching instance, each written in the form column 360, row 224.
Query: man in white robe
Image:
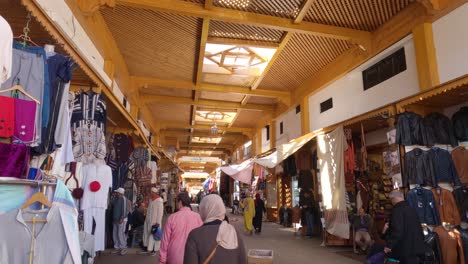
column 154, row 216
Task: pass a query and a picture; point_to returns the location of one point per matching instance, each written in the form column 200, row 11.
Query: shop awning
column 284, row 151
column 241, row 172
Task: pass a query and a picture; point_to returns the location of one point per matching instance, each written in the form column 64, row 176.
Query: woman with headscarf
column 259, row 211
column 216, row 241
column 249, row 212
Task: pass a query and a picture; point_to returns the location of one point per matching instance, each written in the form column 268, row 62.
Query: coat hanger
column 38, row 197
column 25, row 36
column 21, row 89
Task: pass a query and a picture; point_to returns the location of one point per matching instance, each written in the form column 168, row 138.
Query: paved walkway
column 287, row 248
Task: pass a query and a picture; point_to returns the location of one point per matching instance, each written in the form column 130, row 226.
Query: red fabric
column 94, row 186
column 7, row 116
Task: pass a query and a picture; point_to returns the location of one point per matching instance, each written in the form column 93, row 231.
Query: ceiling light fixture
column 214, row 129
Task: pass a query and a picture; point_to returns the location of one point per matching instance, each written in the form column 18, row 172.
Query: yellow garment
column 249, row 212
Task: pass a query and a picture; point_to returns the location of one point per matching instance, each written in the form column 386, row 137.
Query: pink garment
column 176, row 231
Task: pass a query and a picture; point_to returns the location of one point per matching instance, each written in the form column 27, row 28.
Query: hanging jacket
column 446, row 205
column 444, row 167
column 461, row 197
column 439, row 130
column 410, row 130
column 460, row 124
column 419, row 168
column 451, row 245
column 464, row 238
column 423, row 202
column 433, row 242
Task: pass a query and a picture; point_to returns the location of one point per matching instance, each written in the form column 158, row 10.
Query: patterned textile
column 90, row 144
column 140, row 157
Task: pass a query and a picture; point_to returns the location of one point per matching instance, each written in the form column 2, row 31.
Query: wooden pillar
column 305, row 118
column 426, row 60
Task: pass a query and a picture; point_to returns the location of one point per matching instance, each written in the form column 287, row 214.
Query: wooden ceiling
column 162, row 44
column 167, row 47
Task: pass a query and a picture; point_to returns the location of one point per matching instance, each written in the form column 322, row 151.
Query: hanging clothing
column 423, row 202
column 90, row 143
column 439, row 130
column 89, row 106
column 154, row 216
column 24, row 120
column 460, row 124
column 14, row 159
column 94, row 202
column 410, row 130
column 446, row 206
column 28, row 71
column 464, row 237
column 122, row 147
column 419, row 168
column 140, row 157
column 7, row 117
column 444, row 167
column 461, row 197
column 460, row 161
column 349, row 158
column 451, row 245
column 330, row 154
column 6, row 45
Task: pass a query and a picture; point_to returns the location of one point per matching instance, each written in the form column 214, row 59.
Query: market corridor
column 287, row 248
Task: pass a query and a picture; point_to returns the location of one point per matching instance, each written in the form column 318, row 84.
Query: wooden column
column 426, row 60
column 305, row 118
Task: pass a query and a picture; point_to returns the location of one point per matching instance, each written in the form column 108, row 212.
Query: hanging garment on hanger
column 446, row 206
column 28, row 71
column 460, row 124
column 14, row 160
column 460, row 160
column 464, row 237
column 89, row 106
column 444, row 167
column 410, row 130
column 97, row 180
column 461, row 197
column 7, row 117
column 439, row 130
column 6, row 44
column 419, row 168
column 25, row 112
column 422, row 200
column 451, row 245
column 122, row 147
column 90, row 144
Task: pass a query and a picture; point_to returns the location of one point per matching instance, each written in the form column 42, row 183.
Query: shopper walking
column 154, row 217
column 259, row 211
column 216, row 241
column 249, row 212
column 405, row 239
column 307, row 204
column 118, row 221
column 176, row 230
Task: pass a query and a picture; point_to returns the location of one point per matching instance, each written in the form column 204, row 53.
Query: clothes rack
column 27, row 182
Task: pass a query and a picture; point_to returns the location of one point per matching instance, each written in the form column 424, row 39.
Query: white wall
column 449, row 111
column 349, row 97
column 64, row 20
column 451, row 43
column 291, row 126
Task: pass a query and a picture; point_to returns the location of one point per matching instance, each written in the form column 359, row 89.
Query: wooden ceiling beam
column 243, row 43
column 306, row 4
column 169, row 125
column 149, row 98
column 196, row 134
column 284, row 41
column 174, row 84
column 241, row 17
